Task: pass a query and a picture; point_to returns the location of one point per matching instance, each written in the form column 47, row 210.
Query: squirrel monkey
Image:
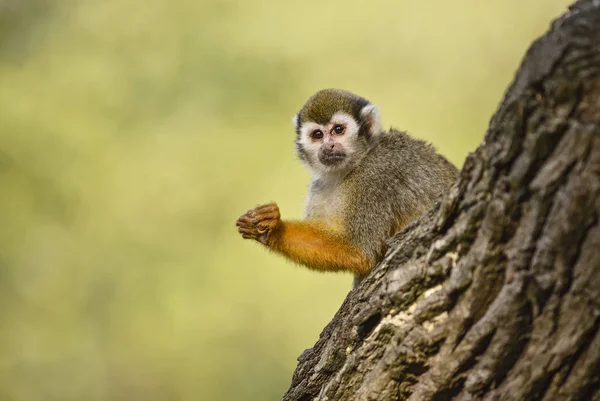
column 367, row 184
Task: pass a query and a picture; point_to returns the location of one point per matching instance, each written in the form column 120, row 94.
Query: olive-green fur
column 325, row 103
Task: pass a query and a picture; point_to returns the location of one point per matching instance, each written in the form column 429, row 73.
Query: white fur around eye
column 348, row 139
column 346, row 120
column 308, row 128
column 311, row 147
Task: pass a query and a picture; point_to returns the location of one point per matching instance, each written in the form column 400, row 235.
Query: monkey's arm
column 314, row 245
column 308, row 242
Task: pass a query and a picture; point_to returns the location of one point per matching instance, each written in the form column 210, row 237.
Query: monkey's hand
column 260, row 223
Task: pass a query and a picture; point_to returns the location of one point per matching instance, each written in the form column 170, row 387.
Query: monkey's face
column 333, row 146
column 335, row 129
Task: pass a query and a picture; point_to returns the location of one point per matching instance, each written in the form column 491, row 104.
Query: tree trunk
column 495, row 293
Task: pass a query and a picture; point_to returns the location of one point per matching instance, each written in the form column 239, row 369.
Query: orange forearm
column 318, row 247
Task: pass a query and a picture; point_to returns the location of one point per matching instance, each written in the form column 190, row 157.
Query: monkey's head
column 335, row 128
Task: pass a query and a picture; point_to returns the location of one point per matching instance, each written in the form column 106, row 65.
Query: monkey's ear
column 295, row 120
column 371, row 117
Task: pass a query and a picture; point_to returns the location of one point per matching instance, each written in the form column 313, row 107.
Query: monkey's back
column 398, row 180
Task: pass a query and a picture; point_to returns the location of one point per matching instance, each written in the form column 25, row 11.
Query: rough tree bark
column 495, row 293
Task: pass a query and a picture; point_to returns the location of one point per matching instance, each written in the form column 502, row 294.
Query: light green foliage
column 133, row 133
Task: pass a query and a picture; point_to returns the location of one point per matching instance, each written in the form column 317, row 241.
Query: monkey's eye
column 318, row 134
column 339, row 129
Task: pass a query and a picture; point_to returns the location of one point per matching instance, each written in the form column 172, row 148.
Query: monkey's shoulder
column 399, row 158
column 396, row 146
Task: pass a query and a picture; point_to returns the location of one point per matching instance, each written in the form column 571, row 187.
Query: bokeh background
column 134, row 132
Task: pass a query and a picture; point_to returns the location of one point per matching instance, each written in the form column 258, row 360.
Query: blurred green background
column 133, row 133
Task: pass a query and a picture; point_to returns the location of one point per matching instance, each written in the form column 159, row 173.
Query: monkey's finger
column 267, row 218
column 247, row 214
column 266, row 214
column 244, row 220
column 264, row 208
column 248, row 231
column 262, row 230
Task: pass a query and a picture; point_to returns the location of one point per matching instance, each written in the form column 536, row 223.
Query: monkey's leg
column 310, row 243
